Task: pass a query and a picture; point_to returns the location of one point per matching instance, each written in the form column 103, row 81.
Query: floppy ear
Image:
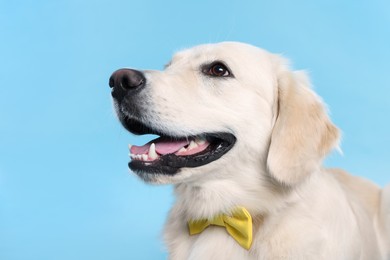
column 303, row 133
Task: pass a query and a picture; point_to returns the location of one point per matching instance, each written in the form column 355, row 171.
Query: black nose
column 127, row 79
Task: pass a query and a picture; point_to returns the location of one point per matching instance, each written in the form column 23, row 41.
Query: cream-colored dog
column 240, row 131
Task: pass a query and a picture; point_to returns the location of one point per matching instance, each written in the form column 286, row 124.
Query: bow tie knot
column 238, row 225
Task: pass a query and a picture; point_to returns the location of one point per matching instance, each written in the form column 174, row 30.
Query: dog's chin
column 161, row 160
column 181, row 176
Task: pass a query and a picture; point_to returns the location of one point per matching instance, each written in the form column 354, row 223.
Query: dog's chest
column 215, row 243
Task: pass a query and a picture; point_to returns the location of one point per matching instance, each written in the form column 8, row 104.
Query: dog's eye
column 217, row 70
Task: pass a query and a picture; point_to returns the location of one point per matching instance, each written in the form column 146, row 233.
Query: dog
column 242, row 138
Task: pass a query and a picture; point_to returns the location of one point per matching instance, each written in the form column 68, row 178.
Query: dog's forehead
column 219, row 51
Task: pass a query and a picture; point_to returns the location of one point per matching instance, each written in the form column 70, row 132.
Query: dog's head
column 220, row 106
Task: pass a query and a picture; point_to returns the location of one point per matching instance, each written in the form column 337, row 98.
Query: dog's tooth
column 144, row 157
column 138, row 156
column 182, row 150
column 152, row 152
column 130, row 147
column 192, row 145
column 200, row 141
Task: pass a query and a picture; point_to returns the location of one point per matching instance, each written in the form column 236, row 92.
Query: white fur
column 301, row 210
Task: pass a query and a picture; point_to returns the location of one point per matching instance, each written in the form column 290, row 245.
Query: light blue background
column 65, row 190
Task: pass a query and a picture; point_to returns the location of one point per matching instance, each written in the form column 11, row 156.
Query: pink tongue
column 170, row 147
column 162, row 146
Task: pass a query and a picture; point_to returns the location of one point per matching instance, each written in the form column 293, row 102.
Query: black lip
column 170, row 164
column 136, row 127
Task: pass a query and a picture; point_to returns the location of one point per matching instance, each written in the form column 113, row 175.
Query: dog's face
column 212, row 106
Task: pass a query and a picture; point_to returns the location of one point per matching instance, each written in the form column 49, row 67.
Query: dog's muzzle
column 168, row 153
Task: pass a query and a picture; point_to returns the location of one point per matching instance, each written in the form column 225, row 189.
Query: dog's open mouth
column 167, row 154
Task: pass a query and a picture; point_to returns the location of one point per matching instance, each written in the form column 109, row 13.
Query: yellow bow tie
column 239, row 226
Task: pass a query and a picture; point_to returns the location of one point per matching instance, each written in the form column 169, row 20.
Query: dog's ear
column 303, row 133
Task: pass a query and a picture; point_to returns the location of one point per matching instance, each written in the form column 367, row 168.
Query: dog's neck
column 220, row 196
